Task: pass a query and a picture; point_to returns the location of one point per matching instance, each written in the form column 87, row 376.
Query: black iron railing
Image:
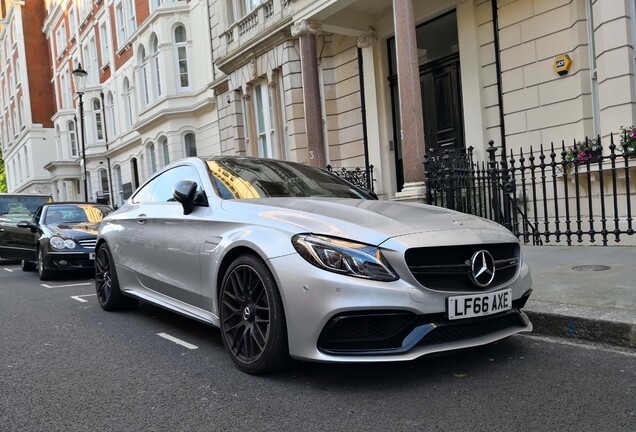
column 582, row 192
column 360, row 177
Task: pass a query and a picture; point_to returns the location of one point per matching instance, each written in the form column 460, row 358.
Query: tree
column 3, row 175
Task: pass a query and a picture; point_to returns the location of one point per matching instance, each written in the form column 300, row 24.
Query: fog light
column 63, row 262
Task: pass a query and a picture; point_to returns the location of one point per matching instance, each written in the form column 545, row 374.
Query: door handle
column 141, row 219
column 1, row 229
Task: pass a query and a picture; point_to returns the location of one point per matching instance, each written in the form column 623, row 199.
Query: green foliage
column 3, row 175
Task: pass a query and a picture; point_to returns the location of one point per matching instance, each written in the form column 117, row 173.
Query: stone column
column 411, row 117
column 306, row 31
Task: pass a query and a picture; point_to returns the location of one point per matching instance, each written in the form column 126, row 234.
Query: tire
column 109, row 295
column 253, row 326
column 27, row 265
column 45, row 274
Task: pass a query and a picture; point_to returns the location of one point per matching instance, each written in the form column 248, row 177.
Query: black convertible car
column 59, row 236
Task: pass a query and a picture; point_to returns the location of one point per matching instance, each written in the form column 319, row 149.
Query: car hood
column 78, row 231
column 373, row 221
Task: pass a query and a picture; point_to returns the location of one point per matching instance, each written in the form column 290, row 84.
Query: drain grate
column 590, row 268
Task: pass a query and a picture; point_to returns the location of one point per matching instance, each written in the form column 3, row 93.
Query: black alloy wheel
column 253, row 325
column 109, row 295
column 43, row 272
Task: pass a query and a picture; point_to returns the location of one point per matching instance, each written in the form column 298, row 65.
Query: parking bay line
column 80, row 299
column 177, row 341
column 64, row 286
column 8, row 269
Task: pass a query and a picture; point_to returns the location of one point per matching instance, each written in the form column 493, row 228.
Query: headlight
column 57, row 243
column 344, row 257
column 60, row 243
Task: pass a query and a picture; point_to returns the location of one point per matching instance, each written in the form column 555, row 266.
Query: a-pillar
column 306, row 31
column 411, row 117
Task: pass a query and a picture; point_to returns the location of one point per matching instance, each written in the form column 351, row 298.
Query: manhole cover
column 590, row 268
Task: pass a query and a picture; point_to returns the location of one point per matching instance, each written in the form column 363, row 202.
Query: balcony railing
column 264, row 16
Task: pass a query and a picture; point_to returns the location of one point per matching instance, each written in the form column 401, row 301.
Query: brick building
column 26, row 96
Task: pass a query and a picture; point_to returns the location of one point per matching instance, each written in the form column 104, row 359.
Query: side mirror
column 25, row 224
column 373, row 194
column 186, row 192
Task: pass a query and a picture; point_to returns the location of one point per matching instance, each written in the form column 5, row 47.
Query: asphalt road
column 66, row 365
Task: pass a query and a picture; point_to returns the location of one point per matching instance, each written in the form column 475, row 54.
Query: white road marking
column 581, row 344
column 80, row 299
column 64, row 286
column 177, row 341
column 9, row 270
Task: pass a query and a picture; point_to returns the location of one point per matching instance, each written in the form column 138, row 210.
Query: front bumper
column 336, row 318
column 69, row 260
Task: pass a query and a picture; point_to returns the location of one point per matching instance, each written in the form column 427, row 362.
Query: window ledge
column 123, row 49
column 105, row 66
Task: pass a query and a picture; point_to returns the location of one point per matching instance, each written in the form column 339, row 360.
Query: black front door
column 441, row 103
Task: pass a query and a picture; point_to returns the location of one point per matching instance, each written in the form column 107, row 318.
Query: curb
column 609, row 326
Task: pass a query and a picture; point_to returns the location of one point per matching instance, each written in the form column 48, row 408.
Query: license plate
column 476, row 305
column 91, row 256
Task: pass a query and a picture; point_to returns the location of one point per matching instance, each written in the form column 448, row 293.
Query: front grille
column 460, row 331
column 447, row 268
column 88, row 244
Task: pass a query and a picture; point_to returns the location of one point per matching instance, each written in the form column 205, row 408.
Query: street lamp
column 79, row 77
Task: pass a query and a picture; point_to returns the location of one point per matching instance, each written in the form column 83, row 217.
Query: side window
column 169, row 179
column 144, row 194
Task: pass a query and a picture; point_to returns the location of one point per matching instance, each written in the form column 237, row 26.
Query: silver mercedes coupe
column 292, row 262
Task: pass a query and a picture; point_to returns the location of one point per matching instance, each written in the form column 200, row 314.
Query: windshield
column 76, row 213
column 20, row 207
column 239, row 178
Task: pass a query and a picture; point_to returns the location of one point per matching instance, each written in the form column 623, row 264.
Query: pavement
column 584, row 292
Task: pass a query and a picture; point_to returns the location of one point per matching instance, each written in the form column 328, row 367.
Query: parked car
column 291, row 261
column 59, row 237
column 14, row 208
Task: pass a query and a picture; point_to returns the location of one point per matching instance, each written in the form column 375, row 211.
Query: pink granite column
column 412, row 120
column 306, row 31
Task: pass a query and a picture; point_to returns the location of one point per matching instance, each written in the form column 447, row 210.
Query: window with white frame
column 130, row 12
column 111, row 119
column 60, row 39
column 65, row 89
column 152, row 158
column 125, row 21
column 143, row 76
column 264, row 117
column 20, row 174
column 181, row 52
column 97, row 120
column 72, row 21
column 18, row 75
column 90, row 63
column 237, row 9
column 190, row 144
column 128, row 101
column 18, row 116
column 26, row 162
column 156, row 70
column 119, row 185
column 15, row 122
column 104, row 44
column 24, row 113
column 165, row 151
column 85, row 6
column 103, row 182
column 72, row 138
column 154, row 4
